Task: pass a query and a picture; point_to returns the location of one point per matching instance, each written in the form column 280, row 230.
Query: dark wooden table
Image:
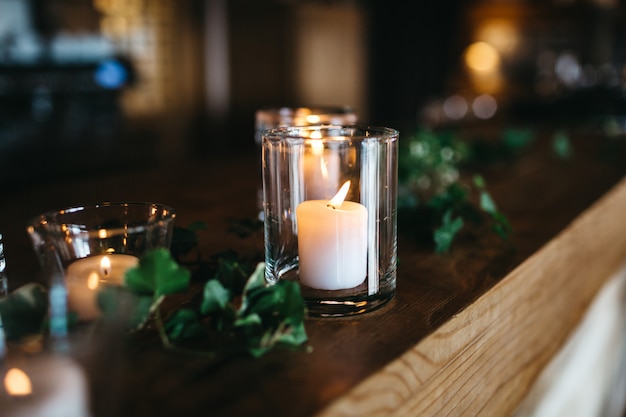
column 539, row 192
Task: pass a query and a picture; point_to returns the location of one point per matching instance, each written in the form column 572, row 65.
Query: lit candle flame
column 105, row 265
column 93, row 281
column 17, row 383
column 337, row 200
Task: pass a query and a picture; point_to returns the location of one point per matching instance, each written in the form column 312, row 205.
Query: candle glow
column 313, row 119
column 17, row 383
column 93, row 281
column 84, row 277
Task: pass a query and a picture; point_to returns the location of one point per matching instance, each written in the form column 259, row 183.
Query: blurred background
column 87, row 86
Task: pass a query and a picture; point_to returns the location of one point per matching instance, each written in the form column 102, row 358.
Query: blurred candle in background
column 321, row 170
column 46, row 386
column 84, row 277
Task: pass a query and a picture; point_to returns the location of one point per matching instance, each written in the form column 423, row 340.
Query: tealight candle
column 84, row 277
column 332, row 242
column 46, row 386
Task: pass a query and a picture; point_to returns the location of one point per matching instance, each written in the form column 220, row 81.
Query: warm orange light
column 93, row 281
column 105, row 265
column 338, row 199
column 313, row 119
column 17, row 383
column 482, row 57
column 317, row 146
column 315, row 134
column 102, row 233
column 500, row 33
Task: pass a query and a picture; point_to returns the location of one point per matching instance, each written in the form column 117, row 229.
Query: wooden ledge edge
column 483, row 361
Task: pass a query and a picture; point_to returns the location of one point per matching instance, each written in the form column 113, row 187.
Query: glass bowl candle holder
column 330, row 200
column 81, row 249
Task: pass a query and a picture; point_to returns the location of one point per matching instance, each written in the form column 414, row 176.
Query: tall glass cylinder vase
column 330, row 201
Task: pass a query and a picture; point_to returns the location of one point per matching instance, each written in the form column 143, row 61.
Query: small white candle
column 332, row 242
column 44, row 387
column 84, row 277
column 321, row 171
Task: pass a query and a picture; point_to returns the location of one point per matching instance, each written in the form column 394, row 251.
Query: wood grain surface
column 466, row 333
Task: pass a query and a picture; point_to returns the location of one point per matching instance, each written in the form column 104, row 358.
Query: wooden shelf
column 466, row 334
column 483, row 360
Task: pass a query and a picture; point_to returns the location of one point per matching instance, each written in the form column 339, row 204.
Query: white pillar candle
column 84, row 277
column 332, row 242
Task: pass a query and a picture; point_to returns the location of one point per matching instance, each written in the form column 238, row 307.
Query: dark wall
column 413, row 47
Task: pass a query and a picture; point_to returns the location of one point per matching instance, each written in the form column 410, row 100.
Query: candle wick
column 331, row 206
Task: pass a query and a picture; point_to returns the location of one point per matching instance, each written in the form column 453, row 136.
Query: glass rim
column 56, row 214
column 331, row 132
column 322, row 109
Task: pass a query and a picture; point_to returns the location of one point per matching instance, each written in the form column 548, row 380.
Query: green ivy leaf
column 232, row 272
column 144, row 306
column 454, row 196
column 254, row 288
column 184, row 240
column 501, row 225
column 184, row 324
column 23, row 311
column 445, row 234
column 516, row 140
column 271, row 315
column 487, row 204
column 215, row 297
column 114, row 301
column 158, row 274
column 561, row 145
column 479, row 181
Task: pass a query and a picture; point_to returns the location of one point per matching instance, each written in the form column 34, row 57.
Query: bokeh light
column 482, row 57
column 484, row 106
column 455, row 107
column 501, row 34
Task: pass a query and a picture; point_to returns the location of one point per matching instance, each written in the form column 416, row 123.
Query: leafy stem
column 227, row 319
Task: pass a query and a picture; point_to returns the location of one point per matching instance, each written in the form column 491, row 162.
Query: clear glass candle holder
column 330, row 201
column 82, row 249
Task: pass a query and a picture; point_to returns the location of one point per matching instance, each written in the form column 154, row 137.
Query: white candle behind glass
column 84, row 277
